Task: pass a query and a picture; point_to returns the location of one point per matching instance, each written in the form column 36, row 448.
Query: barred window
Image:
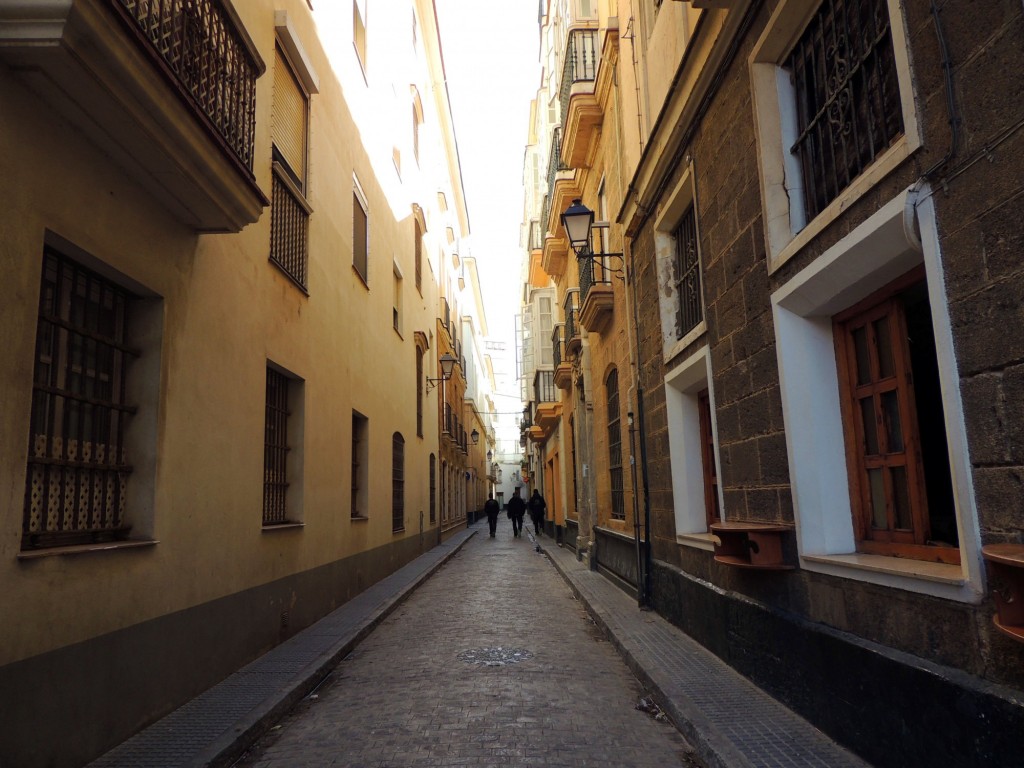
column 360, row 236
column 397, row 482
column 77, row 470
column 615, row 447
column 360, row 465
column 289, row 213
column 419, row 391
column 433, row 488
column 418, row 256
column 275, row 450
column 843, row 71
column 687, row 272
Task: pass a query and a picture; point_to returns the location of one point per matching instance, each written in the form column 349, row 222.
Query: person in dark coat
column 538, row 507
column 516, row 509
column 492, row 509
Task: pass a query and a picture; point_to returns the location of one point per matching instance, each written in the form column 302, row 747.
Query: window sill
column 705, row 541
column 84, row 549
column 361, row 277
column 282, row 527
column 359, row 519
column 937, row 579
column 397, row 531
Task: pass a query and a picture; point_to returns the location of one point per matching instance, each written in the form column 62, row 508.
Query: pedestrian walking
column 538, row 507
column 516, row 509
column 492, row 509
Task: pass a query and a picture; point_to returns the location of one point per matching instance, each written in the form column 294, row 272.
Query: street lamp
column 474, row 436
column 447, row 367
column 490, row 455
column 578, row 221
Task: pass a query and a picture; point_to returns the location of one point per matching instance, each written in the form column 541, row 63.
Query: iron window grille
column 433, row 488
column 843, row 71
column 687, row 270
column 289, row 228
column 615, row 448
column 360, row 233
column 275, row 450
column 77, row 471
column 397, row 482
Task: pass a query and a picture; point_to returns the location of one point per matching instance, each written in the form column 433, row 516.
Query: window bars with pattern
column 843, row 71
column 275, row 450
column 77, row 471
column 201, row 44
column 397, row 482
column 615, row 448
column 687, row 272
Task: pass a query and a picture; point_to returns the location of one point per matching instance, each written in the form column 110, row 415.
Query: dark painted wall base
column 892, row 708
column 63, row 708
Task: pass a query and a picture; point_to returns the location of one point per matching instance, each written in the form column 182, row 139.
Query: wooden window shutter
column 290, row 118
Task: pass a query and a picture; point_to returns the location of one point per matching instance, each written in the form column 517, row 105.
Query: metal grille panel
column 843, row 71
column 397, row 482
column 275, row 450
column 691, row 310
column 615, row 448
column 289, row 232
column 77, row 471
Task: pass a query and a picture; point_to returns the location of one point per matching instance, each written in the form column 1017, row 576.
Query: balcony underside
column 563, row 376
column 582, row 122
column 596, row 312
column 548, row 415
column 99, row 73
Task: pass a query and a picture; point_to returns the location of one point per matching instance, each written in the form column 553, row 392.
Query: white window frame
column 682, row 385
column 774, row 104
column 677, row 202
column 876, row 252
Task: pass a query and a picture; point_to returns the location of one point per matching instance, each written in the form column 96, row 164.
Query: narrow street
column 491, row 662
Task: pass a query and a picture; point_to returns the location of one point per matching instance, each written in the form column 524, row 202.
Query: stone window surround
column 786, row 233
column 876, row 252
column 685, row 455
column 676, row 202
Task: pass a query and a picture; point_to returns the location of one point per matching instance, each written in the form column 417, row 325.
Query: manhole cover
column 495, row 657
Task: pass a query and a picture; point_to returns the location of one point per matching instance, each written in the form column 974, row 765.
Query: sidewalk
column 729, row 721
column 214, row 728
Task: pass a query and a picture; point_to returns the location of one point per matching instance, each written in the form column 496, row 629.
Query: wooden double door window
column 896, row 447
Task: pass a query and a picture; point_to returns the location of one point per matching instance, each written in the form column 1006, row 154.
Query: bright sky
column 491, row 60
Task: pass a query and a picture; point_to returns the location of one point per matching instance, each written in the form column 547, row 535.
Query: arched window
column 397, row 482
column 615, row 447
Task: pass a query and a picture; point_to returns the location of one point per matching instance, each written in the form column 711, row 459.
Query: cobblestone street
column 491, row 662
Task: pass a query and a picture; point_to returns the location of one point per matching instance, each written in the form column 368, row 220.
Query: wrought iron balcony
column 544, row 390
column 581, row 58
column 563, row 366
column 573, row 340
column 165, row 88
column 446, row 314
column 597, row 298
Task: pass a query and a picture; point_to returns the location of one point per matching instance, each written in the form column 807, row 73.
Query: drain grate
column 495, row 657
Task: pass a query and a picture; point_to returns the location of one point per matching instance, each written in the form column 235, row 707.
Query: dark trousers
column 538, row 523
column 492, row 522
column 517, row 524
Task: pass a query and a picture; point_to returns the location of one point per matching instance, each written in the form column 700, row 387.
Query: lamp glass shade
column 578, row 220
column 447, row 365
column 490, row 455
column 474, row 436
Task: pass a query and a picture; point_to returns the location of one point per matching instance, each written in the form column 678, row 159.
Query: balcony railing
column 592, row 271
column 555, row 165
column 199, row 42
column 544, row 390
column 557, row 346
column 446, row 314
column 581, row 56
column 572, row 310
